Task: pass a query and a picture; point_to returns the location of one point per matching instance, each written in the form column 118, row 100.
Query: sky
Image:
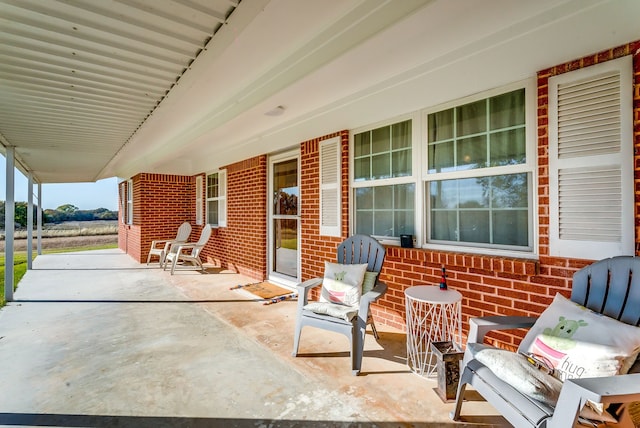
column 85, row 196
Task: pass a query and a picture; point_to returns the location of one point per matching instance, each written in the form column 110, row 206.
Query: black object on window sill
column 406, row 241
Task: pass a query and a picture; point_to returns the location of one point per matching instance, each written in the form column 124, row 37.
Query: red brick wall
column 242, row 245
column 489, row 285
column 160, row 204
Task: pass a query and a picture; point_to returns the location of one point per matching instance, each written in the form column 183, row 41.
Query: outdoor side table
column 433, row 315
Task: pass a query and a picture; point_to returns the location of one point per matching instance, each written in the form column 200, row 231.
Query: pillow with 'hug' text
column 578, row 342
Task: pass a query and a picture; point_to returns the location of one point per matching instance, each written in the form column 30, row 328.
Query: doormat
column 267, row 291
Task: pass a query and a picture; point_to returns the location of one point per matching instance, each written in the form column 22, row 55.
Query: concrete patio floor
column 94, row 339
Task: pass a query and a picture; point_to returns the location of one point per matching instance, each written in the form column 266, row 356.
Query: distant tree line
column 61, row 214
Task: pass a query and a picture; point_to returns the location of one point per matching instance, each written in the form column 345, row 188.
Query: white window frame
column 595, row 163
column 421, row 178
column 331, row 187
column 221, row 199
column 410, row 179
column 123, row 202
column 199, row 200
column 529, row 167
column 129, row 201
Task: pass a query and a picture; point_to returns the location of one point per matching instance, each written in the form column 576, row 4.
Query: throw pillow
column 369, row 281
column 578, row 342
column 342, row 283
column 572, row 358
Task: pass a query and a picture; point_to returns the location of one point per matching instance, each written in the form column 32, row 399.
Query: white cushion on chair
column 516, row 370
column 332, row 309
column 342, row 283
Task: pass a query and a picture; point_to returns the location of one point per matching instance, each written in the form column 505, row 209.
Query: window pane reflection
column 483, row 210
column 385, row 210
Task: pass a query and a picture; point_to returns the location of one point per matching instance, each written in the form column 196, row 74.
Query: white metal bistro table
column 433, row 315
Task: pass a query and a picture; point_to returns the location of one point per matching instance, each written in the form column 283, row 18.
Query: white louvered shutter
column 330, row 219
column 199, row 200
column 591, row 162
column 222, row 198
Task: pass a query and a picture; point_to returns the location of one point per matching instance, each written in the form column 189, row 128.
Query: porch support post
column 29, row 221
column 39, row 219
column 9, row 222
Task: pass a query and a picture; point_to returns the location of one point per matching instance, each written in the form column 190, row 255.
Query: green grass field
column 20, row 264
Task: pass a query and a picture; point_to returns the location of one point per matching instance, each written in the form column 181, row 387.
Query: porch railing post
column 9, row 223
column 39, row 220
column 29, row 221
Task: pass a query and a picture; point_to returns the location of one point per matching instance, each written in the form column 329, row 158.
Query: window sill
column 498, row 263
column 480, row 251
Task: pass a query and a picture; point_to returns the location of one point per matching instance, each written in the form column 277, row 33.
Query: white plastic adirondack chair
column 161, row 247
column 187, row 252
column 610, row 287
column 354, row 250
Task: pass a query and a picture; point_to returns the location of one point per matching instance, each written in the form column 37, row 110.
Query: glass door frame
column 276, row 277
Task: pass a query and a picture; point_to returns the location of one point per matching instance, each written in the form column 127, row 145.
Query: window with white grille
column 384, row 181
column 130, row 202
column 217, row 199
column 591, row 162
column 479, row 172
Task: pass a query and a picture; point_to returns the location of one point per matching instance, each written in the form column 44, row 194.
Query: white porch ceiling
column 78, row 77
column 91, row 89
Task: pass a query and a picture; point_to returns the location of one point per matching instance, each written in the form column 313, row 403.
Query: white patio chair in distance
column 187, row 252
column 160, row 247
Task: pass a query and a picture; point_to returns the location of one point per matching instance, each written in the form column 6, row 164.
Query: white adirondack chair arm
column 576, row 392
column 167, row 244
column 612, row 389
column 304, row 287
column 376, row 292
column 174, row 245
column 160, row 248
column 161, row 241
column 369, row 297
column 479, row 327
column 187, row 246
column 309, row 284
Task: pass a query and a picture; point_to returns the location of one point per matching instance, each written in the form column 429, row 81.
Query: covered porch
column 96, row 339
column 269, row 87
